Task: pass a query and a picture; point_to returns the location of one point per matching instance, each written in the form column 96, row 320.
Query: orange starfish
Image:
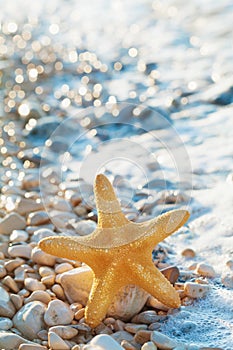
column 119, row 252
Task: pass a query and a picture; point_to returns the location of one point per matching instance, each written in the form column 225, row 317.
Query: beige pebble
column 65, row 332
column 3, row 271
column 11, row 284
column 205, row 270
column 79, row 314
column 20, row 250
column 227, row 280
column 85, row 227
column 19, row 236
column 29, row 319
column 63, row 267
column 188, row 253
column 48, row 280
column 32, row 347
column 24, row 206
column 171, row 273
column 153, row 302
column 146, row 317
column 104, row 342
column 17, row 300
column 33, row 284
column 39, row 295
column 56, row 342
column 149, row 346
column 10, row 222
column 80, row 210
column 38, row 218
column 30, row 181
column 61, row 204
column 57, row 289
column 58, row 313
column 134, row 328
column 46, row 271
column 24, row 293
column 129, row 346
column 162, row 341
column 42, row 258
column 142, row 336
column 195, row 290
column 10, row 265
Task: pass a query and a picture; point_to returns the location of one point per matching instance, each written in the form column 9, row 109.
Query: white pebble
column 38, row 218
column 196, row 290
column 19, row 236
column 20, row 250
column 104, row 342
column 10, row 222
column 41, row 258
column 205, row 270
column 32, row 284
column 56, row 342
column 5, row 323
column 162, row 341
column 58, row 313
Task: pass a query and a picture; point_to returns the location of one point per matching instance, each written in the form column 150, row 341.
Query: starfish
column 119, row 252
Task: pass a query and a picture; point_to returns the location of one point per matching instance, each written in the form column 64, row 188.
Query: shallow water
column 58, row 57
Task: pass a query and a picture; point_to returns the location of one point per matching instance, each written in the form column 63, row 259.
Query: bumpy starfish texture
column 119, row 252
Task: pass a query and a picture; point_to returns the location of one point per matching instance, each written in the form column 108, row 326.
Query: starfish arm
column 165, row 225
column 153, row 281
column 104, row 288
column 68, row 247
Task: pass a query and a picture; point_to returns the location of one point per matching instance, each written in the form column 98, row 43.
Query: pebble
column 39, row 295
column 46, row 271
column 65, row 332
column 57, row 289
column 146, row 317
column 56, row 342
column 41, row 258
column 227, row 280
column 129, row 346
column 205, row 270
column 11, row 284
column 19, row 236
column 33, row 284
column 3, row 271
column 11, row 265
column 64, row 267
column 122, row 335
column 196, row 290
column 85, row 227
column 142, row 336
column 17, row 300
column 38, row 218
column 48, row 280
column 149, row 346
column 24, row 206
column 103, row 342
column 134, row 328
column 162, row 341
column 30, row 181
column 10, row 222
column 32, row 347
column 29, row 320
column 20, row 250
column 61, row 204
column 58, row 313
column 188, row 253
column 153, row 302
column 42, row 233
column 5, row 323
column 7, row 308
column 10, row 341
column 171, row 273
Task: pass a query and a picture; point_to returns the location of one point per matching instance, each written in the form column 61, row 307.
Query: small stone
column 85, row 227
column 41, row 258
column 205, row 270
column 10, row 222
column 64, row 267
column 3, row 271
column 11, row 284
column 58, row 313
column 171, row 273
column 24, row 206
column 19, row 236
column 188, row 326
column 142, row 336
column 80, row 210
column 61, row 204
column 32, row 347
column 104, row 342
column 11, row 265
column 75, row 199
column 57, row 289
column 5, row 323
column 122, row 335
column 146, row 317
column 30, row 181
column 65, row 332
column 33, row 284
column 7, row 309
column 56, row 342
column 38, row 218
column 134, row 328
column 149, row 346
column 39, row 295
column 32, row 229
column 46, row 271
column 188, row 253
column 48, row 280
column 196, row 290
column 10, row 341
column 227, row 280
column 162, row 341
column 153, row 302
column 29, row 319
column 20, row 250
column 17, row 300
column 42, row 233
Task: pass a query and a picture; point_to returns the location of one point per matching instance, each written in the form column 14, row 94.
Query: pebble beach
column 141, row 91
